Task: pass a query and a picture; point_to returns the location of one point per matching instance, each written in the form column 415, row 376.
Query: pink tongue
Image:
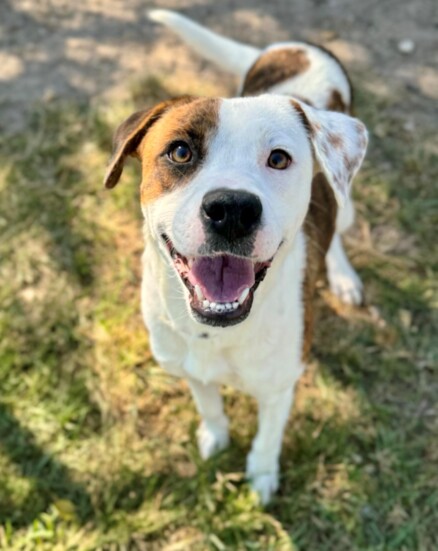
column 222, row 278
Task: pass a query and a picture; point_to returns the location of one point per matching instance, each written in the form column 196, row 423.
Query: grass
column 97, row 445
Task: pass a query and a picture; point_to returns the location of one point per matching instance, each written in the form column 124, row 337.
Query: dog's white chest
column 205, row 361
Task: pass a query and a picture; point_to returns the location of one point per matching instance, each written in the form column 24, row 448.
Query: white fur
column 331, row 159
column 213, row 431
column 262, row 354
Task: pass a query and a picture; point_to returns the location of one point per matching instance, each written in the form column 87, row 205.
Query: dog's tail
column 228, row 54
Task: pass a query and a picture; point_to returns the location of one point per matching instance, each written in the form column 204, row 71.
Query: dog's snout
column 233, row 214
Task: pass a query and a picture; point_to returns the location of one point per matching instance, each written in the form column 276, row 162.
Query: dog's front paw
column 262, row 474
column 265, row 485
column 212, row 438
column 345, row 284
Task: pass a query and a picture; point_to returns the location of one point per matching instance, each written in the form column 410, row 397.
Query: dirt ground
column 53, row 50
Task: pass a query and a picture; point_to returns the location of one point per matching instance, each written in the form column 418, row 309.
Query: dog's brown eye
column 180, row 153
column 279, row 159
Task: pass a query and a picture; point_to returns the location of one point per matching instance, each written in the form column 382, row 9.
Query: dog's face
column 225, row 182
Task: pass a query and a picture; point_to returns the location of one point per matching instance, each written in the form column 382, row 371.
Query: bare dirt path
column 53, row 50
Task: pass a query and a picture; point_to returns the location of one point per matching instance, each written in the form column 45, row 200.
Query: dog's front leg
column 212, row 433
column 262, row 466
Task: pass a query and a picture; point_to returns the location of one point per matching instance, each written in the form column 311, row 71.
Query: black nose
column 231, row 214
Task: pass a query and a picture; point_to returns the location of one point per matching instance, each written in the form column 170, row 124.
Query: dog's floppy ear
column 129, row 134
column 339, row 144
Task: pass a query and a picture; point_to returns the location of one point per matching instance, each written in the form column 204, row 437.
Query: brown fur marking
column 350, row 163
column 319, row 227
column 193, row 123
column 273, row 67
column 130, row 133
column 335, row 140
column 310, row 129
column 148, row 135
column 336, row 103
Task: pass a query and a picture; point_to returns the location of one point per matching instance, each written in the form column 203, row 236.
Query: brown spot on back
column 336, row 103
column 193, row 123
column 273, row 67
column 319, row 227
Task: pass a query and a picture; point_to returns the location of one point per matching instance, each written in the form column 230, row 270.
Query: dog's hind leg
column 342, row 277
column 212, row 433
column 262, row 465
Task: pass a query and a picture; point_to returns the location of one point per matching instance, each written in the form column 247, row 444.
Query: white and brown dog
column 241, row 199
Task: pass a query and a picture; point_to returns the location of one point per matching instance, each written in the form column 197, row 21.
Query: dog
column 243, row 201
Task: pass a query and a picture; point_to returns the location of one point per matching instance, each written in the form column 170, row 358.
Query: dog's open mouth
column 221, row 287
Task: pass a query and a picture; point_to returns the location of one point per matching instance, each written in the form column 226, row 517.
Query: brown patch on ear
column 351, row 163
column 129, row 134
column 273, row 67
column 336, row 103
column 319, row 227
column 310, row 129
column 335, row 140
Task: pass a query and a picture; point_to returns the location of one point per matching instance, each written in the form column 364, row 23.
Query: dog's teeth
column 243, row 295
column 199, row 292
column 220, row 307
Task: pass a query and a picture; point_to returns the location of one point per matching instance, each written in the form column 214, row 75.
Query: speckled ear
column 339, row 143
column 130, row 133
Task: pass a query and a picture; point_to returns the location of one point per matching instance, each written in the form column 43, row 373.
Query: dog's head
column 226, row 181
